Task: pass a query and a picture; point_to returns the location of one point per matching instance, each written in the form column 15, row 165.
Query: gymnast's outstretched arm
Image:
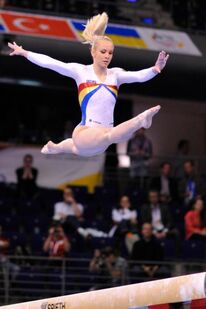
column 67, row 69
column 142, row 75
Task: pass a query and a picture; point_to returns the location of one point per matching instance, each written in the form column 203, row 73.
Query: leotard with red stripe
column 97, row 99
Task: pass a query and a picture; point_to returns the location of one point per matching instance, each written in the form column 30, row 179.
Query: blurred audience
column 27, row 178
column 149, row 250
column 56, row 244
column 108, row 263
column 165, row 183
column 125, row 220
column 9, row 269
column 140, row 152
column 2, row 4
column 158, row 215
column 195, row 221
column 69, row 212
column 189, row 185
column 183, row 150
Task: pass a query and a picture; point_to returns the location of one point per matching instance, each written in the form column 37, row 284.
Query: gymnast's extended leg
column 88, row 141
column 125, row 130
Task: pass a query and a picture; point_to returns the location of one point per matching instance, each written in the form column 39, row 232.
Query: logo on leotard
column 91, row 81
column 90, row 120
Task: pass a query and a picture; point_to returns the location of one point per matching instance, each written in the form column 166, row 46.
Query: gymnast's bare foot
column 50, row 148
column 148, row 115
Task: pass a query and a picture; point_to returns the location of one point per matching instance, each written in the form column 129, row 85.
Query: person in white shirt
column 98, row 89
column 125, row 220
column 68, row 211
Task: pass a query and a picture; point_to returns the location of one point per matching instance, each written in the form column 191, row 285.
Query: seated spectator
column 165, row 183
column 26, row 178
column 125, row 220
column 108, row 263
column 57, row 243
column 147, row 249
column 9, row 269
column 189, row 186
column 195, row 221
column 68, row 212
column 157, row 214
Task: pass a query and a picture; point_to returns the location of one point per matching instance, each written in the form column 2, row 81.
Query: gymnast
column 97, row 89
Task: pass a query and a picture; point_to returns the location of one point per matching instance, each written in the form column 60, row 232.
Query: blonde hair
column 95, row 29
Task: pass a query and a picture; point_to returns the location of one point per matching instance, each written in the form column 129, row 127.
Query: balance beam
column 164, row 291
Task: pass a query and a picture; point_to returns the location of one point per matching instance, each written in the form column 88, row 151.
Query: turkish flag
column 38, row 25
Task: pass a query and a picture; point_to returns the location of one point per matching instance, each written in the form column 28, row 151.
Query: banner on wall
column 55, row 171
column 37, row 25
column 171, row 41
column 70, row 29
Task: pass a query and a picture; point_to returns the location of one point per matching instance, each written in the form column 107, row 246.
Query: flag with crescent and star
column 38, row 25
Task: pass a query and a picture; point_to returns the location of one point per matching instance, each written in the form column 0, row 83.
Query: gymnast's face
column 102, row 53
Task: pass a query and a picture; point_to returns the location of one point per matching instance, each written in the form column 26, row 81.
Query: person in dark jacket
column 26, row 178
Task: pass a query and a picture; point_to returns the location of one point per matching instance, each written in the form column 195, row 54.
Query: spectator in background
column 125, row 220
column 140, row 152
column 157, row 214
column 165, row 183
column 110, row 265
column 57, row 243
column 147, row 249
column 183, row 149
column 27, row 177
column 69, row 212
column 2, row 4
column 189, row 185
column 195, row 221
column 8, row 268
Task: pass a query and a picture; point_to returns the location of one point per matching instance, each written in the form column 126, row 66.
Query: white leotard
column 97, row 99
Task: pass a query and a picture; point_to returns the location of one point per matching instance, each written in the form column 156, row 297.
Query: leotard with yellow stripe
column 97, row 99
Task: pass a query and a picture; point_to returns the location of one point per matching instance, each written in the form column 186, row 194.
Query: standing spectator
column 57, row 243
column 147, row 249
column 68, row 212
column 165, row 183
column 195, row 221
column 158, row 215
column 125, row 220
column 26, row 178
column 189, row 185
column 140, row 152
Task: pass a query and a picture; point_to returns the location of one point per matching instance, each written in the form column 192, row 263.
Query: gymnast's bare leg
column 89, row 141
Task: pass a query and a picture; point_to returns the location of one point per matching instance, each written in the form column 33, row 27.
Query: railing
column 28, row 278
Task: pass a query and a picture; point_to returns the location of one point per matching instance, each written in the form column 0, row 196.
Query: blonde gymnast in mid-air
column 97, row 88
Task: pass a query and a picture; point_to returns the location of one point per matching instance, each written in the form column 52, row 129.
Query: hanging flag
column 38, row 25
column 120, row 35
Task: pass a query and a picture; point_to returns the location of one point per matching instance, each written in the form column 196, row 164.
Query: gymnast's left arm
column 145, row 74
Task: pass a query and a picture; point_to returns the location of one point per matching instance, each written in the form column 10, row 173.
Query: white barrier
column 171, row 290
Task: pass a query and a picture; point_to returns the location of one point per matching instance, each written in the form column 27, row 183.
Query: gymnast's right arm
column 67, row 69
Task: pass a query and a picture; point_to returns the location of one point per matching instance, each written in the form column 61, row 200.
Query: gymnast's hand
column 17, row 50
column 161, row 61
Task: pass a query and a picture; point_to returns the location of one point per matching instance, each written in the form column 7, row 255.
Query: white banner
column 55, row 171
column 168, row 40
